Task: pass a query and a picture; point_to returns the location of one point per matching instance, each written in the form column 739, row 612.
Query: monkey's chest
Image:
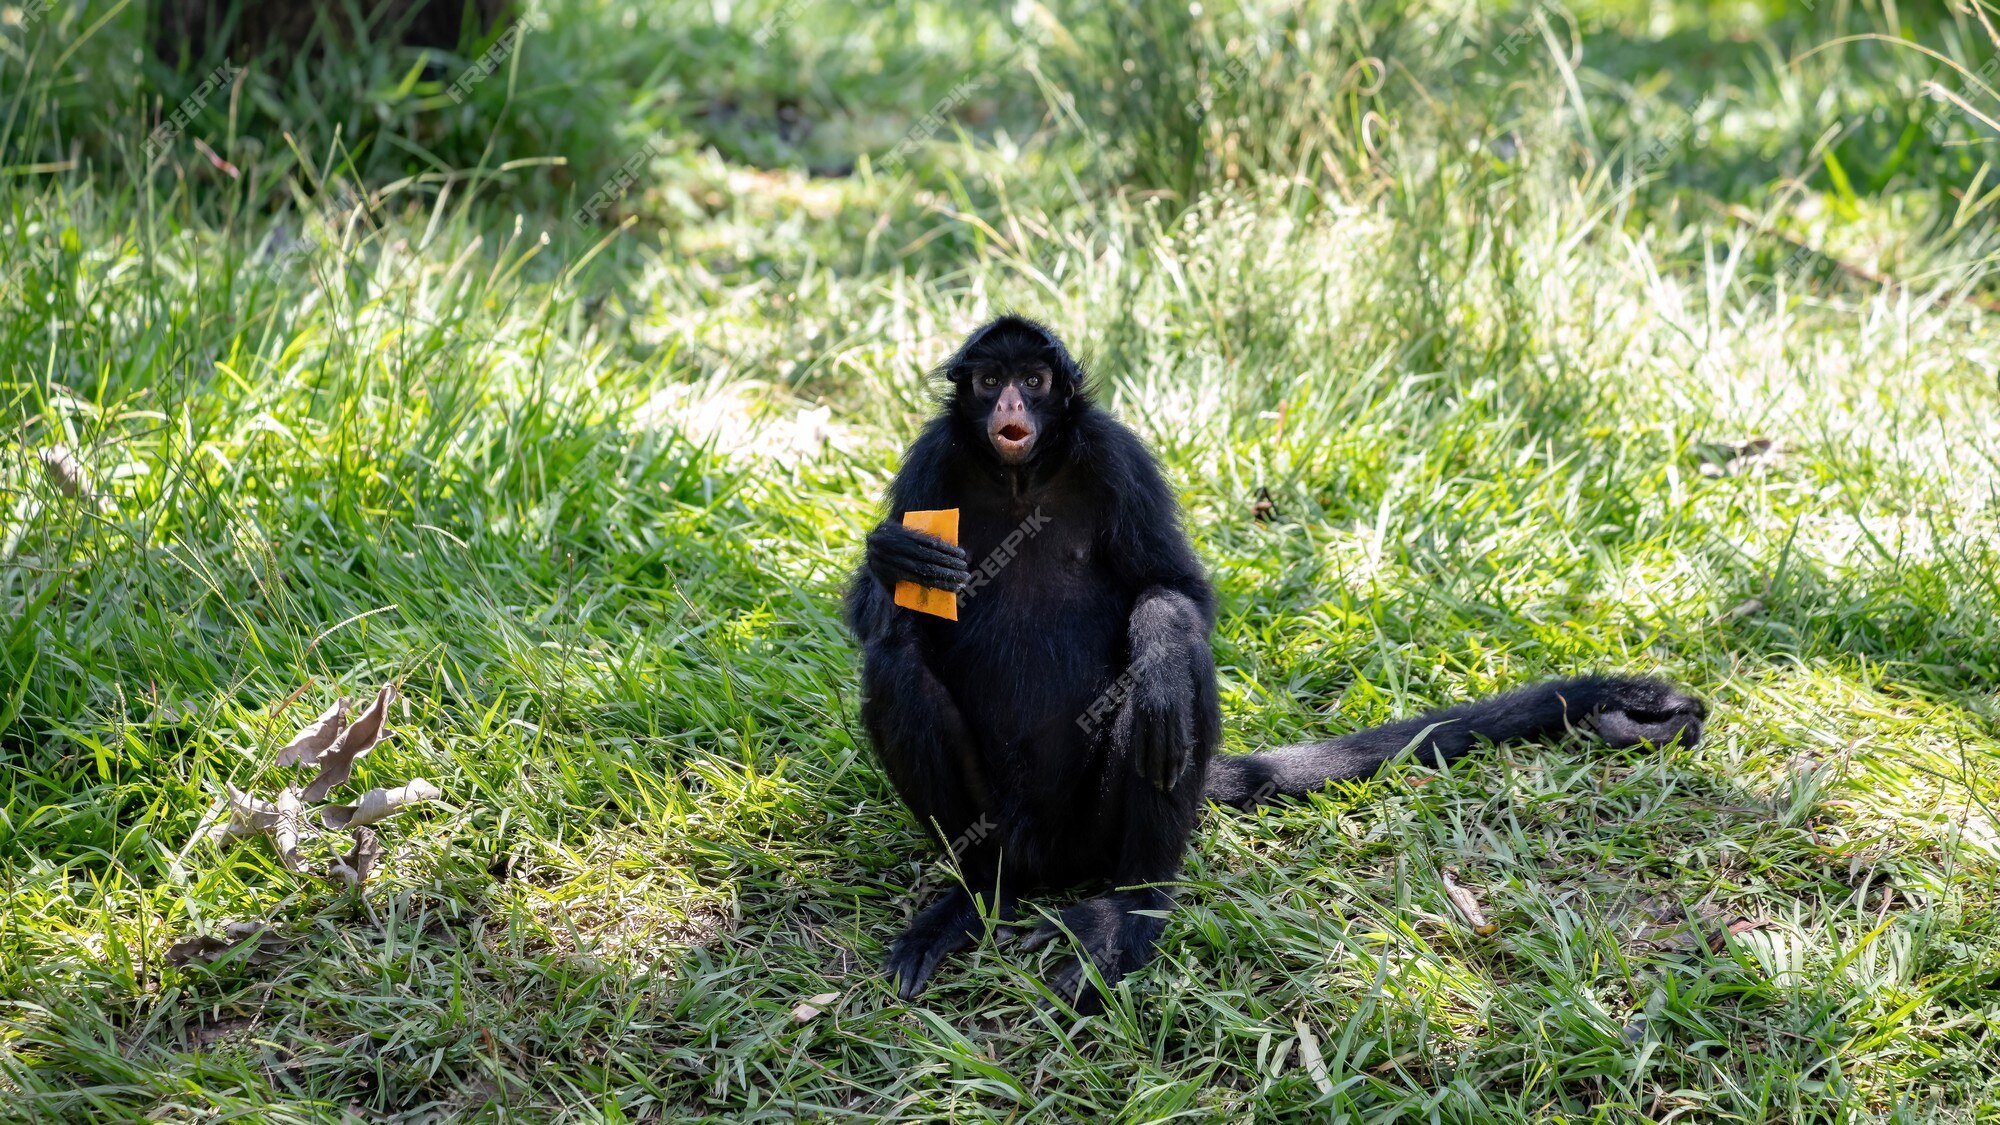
column 1041, row 628
column 1034, row 574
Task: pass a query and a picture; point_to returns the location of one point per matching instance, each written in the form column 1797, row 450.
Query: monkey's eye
column 1034, row 380
column 989, row 380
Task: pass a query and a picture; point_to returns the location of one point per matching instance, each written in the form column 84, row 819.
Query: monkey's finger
column 939, row 546
column 1139, row 738
column 947, row 578
column 922, row 562
column 912, row 974
column 926, row 556
column 1182, row 747
column 1122, row 734
column 900, row 561
column 956, row 574
column 896, row 554
column 1158, row 748
column 924, row 543
column 913, row 984
column 1143, row 742
column 936, row 552
column 1132, row 736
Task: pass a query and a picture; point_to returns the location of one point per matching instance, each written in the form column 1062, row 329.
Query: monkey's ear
column 959, row 367
column 1068, row 371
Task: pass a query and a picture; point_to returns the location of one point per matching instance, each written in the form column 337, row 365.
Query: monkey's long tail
column 1624, row 710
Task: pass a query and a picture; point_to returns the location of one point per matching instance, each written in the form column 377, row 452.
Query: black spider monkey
column 1061, row 733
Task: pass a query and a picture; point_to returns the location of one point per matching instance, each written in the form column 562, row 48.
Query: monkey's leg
column 921, row 739
column 928, row 751
column 1110, row 928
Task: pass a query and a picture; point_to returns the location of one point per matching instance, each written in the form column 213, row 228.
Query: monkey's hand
column 898, row 554
column 1156, row 724
column 1642, row 709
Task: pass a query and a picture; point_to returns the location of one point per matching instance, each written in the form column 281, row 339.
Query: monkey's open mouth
column 1013, row 439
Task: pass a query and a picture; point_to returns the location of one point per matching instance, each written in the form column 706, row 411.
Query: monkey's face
column 1014, row 404
column 1014, row 382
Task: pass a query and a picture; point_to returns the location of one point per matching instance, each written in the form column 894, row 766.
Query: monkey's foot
column 1117, row 941
column 1646, row 710
column 945, row 927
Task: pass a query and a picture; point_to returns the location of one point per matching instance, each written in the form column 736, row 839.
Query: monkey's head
column 1013, row 382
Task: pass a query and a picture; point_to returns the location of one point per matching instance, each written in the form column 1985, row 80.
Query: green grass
column 1491, row 327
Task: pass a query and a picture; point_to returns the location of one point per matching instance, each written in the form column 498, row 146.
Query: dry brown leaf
column 353, row 868
column 60, row 466
column 242, row 815
column 247, row 815
column 285, row 833
column 214, row 825
column 336, row 765
column 814, row 1006
column 1740, row 926
column 1673, row 928
column 250, row 810
column 1468, row 905
column 305, row 747
column 1309, row 1054
column 1684, row 938
column 1734, row 460
column 379, row 804
column 264, row 945
column 1708, row 927
column 366, row 853
column 1747, row 608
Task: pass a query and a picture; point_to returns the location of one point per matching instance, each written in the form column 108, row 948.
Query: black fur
column 1625, row 711
column 1061, row 733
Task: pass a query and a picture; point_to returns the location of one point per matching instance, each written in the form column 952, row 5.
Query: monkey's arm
column 1171, row 710
column 1171, row 714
